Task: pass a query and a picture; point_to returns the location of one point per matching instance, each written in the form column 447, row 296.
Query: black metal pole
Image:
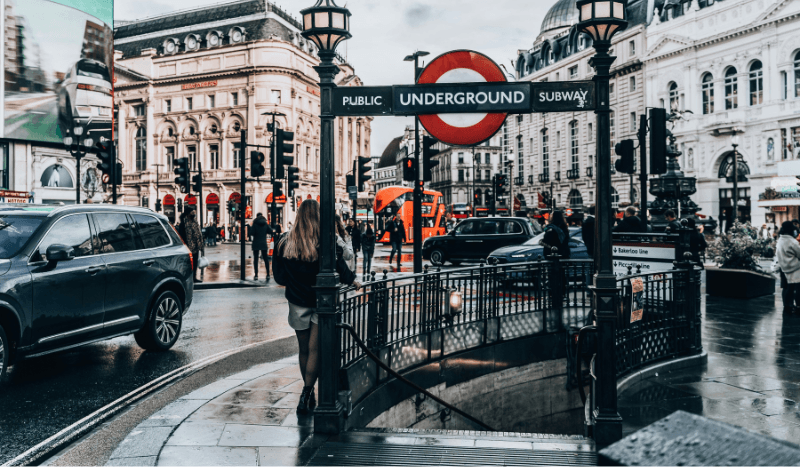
column 78, row 156
column 273, row 208
column 608, row 423
column 735, row 184
column 417, row 189
column 474, row 200
column 200, row 194
column 242, row 188
column 355, row 177
column 643, row 170
column 329, row 414
column 113, row 176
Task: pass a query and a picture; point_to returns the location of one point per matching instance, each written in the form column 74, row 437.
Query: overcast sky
column 385, row 31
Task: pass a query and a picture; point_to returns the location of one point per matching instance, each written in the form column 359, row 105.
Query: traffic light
column 283, row 146
column 277, row 191
column 158, row 205
column 350, row 180
column 500, row 183
column 427, row 157
column 292, row 179
column 658, row 141
column 106, row 161
column 197, row 182
column 624, row 149
column 409, row 169
column 182, row 172
column 257, row 168
column 476, row 198
column 363, row 168
column 117, row 178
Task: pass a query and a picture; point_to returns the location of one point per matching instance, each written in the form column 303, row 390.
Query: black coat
column 355, row 235
column 674, row 226
column 552, row 240
column 260, row 230
column 300, row 277
column 587, row 234
column 697, row 244
column 629, row 224
column 368, row 241
column 397, row 231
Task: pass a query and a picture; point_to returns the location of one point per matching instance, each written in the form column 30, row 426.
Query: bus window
column 426, row 198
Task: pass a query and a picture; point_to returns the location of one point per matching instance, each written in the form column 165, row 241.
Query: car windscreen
column 93, row 70
column 575, row 234
column 15, row 231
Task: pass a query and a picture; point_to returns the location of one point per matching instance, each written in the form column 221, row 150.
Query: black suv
column 475, row 238
column 73, row 275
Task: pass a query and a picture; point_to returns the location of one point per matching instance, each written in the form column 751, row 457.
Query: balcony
column 530, row 179
column 520, row 180
column 544, row 177
column 557, row 176
column 589, row 172
column 573, row 174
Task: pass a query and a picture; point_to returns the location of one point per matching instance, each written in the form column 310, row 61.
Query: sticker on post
column 637, row 298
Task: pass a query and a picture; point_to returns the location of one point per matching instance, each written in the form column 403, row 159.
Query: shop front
column 212, row 207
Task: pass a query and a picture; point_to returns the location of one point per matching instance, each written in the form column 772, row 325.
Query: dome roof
column 563, row 14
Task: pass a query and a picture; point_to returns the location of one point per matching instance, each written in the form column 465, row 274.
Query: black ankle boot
column 306, row 400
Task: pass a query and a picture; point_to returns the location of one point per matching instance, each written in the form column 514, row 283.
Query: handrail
column 401, row 378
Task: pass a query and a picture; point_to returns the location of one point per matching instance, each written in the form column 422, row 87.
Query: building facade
column 187, row 83
column 731, row 67
column 554, row 154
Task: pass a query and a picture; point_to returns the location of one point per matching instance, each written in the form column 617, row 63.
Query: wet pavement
column 42, row 396
column 751, row 379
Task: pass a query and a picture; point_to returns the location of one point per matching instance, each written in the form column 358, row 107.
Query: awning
column 780, row 202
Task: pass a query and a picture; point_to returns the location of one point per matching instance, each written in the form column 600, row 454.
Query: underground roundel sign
column 462, row 66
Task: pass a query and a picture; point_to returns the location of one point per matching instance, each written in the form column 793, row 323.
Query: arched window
column 141, row 149
column 614, row 198
column 575, row 199
column 708, row 93
column 731, row 89
column 673, row 97
column 756, row 83
column 545, row 153
column 573, row 144
column 797, row 75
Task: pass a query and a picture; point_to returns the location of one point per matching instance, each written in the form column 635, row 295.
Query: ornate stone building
column 189, row 81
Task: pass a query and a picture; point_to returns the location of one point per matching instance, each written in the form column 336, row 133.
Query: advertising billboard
column 57, row 64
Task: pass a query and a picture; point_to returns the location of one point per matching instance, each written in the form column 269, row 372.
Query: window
column 114, row 232
column 708, row 93
column 189, row 105
column 234, row 98
column 731, row 89
column 466, row 228
column 460, row 175
column 632, row 83
column 511, row 227
column 138, row 110
column 520, row 150
column 673, row 96
column 460, row 157
column 558, row 76
column 756, row 83
column 488, row 174
column 573, row 144
column 797, row 75
column 213, row 155
column 582, row 42
column 545, row 152
column 151, row 232
column 591, row 133
column 550, row 57
column 141, row 149
column 784, row 86
column 558, row 139
column 191, row 152
column 632, row 48
column 276, row 96
column 72, row 231
column 212, row 101
column 477, row 175
column 633, row 122
column 573, row 72
column 488, row 158
column 168, row 105
column 575, row 199
column 170, row 156
column 614, row 198
column 611, row 89
column 236, row 154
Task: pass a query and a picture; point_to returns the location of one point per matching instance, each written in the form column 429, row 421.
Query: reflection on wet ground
column 752, row 378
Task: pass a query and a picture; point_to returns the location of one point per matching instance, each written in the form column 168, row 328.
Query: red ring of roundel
column 463, row 136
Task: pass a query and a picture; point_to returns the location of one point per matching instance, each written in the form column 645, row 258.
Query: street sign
column 462, row 98
column 645, row 267
column 353, row 192
column 362, row 100
column 106, row 178
column 644, row 251
column 563, row 96
column 462, row 66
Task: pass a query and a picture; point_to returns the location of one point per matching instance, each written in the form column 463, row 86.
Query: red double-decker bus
column 398, row 200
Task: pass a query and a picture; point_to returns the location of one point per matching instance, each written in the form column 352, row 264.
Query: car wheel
column 5, row 351
column 163, row 325
column 437, row 257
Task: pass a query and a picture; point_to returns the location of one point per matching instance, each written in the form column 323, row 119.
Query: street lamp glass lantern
column 326, row 24
column 601, row 19
column 735, row 139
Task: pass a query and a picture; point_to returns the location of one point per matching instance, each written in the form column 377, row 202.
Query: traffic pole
column 242, row 198
column 643, row 170
column 417, row 227
column 113, row 176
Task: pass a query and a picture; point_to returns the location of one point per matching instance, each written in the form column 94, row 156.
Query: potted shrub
column 738, row 274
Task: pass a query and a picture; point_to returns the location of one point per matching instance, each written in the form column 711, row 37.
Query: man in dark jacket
column 355, row 236
column 397, row 235
column 630, row 223
column 587, row 231
column 673, row 224
column 259, row 231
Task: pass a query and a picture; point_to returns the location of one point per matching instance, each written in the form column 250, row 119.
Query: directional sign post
column 646, row 257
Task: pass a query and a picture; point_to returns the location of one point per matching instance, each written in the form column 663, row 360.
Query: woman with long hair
column 296, row 265
column 788, row 259
column 368, row 246
column 344, row 242
column 556, row 234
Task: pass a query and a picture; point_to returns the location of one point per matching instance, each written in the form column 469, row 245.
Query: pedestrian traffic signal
column 624, row 149
column 350, row 180
column 476, row 198
column 257, row 168
column 292, row 179
column 409, row 169
column 277, row 191
column 197, row 182
column 500, row 183
column 283, row 146
column 428, row 163
column 106, row 164
column 158, row 205
column 658, row 141
column 182, row 172
column 363, row 168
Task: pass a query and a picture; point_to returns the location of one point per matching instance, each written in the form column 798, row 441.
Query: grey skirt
column 300, row 317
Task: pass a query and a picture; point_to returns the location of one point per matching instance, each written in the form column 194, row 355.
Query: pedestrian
column 697, row 241
column 397, row 235
column 796, row 225
column 355, row 237
column 344, row 242
column 249, row 231
column 788, row 262
column 260, row 230
column 556, row 235
column 295, row 266
column 222, row 231
column 368, row 247
column 630, row 223
column 194, row 239
column 587, row 231
column 673, row 224
column 537, row 227
column 450, row 225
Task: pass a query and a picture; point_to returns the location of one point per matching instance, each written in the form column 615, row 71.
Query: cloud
column 418, row 14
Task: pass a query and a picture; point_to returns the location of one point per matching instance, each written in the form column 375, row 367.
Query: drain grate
column 336, row 453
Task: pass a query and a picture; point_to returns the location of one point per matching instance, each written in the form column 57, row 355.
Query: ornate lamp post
column 735, row 198
column 601, row 19
column 77, row 146
column 327, row 25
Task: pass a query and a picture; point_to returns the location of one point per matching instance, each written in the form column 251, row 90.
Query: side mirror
column 59, row 252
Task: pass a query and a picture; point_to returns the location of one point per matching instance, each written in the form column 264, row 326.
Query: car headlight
column 521, row 255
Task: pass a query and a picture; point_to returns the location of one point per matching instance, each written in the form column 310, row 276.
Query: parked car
column 74, row 275
column 531, row 249
column 475, row 238
column 85, row 100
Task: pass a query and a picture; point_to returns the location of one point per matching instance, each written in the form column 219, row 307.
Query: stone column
column 150, row 131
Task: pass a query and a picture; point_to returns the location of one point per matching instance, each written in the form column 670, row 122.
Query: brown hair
column 302, row 241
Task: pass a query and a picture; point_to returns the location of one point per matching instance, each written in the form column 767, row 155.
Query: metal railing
column 530, row 179
column 557, row 176
column 544, row 177
column 589, row 172
column 519, row 180
column 573, row 174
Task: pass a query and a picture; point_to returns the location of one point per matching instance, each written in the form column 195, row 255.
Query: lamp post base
column 607, row 429
column 330, row 421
